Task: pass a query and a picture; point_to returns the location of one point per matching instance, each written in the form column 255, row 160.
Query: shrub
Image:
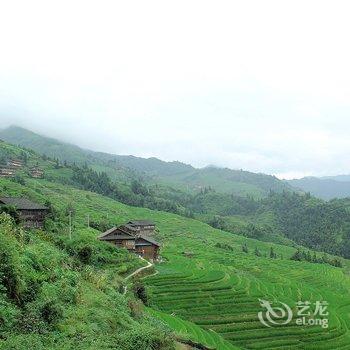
column 140, row 292
column 51, row 312
column 9, row 262
column 11, row 210
column 85, row 254
column 147, row 338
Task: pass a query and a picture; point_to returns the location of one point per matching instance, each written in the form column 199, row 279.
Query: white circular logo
column 274, row 315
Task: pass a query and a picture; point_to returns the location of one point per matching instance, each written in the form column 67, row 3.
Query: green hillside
column 61, row 293
column 207, row 288
column 153, row 170
column 285, row 218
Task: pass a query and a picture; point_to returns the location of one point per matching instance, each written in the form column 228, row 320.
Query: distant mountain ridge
column 340, row 178
column 326, row 187
column 176, row 174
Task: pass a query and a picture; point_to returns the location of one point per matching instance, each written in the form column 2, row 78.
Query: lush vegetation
column 59, row 292
column 62, row 292
column 207, row 289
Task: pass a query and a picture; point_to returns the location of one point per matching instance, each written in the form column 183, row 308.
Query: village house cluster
column 11, row 168
column 31, row 214
column 14, row 165
column 135, row 236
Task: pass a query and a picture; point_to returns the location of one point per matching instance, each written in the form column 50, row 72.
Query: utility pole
column 70, row 224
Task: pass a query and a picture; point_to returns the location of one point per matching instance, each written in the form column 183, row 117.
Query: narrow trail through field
column 149, row 265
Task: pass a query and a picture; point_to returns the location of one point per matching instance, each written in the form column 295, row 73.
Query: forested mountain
column 176, row 174
column 325, row 187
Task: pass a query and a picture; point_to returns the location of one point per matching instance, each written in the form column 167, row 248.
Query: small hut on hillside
column 36, row 173
column 7, row 172
column 15, row 163
column 30, row 213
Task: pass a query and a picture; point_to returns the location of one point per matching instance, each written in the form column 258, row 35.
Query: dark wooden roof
column 149, row 239
column 21, row 203
column 129, row 227
column 115, row 233
column 118, row 233
column 141, row 223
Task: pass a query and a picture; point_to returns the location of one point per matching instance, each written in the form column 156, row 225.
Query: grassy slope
column 216, row 288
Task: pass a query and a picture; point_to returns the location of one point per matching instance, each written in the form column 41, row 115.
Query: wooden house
column 145, row 227
column 31, row 214
column 119, row 237
column 15, row 163
column 147, row 247
column 7, row 172
column 36, row 173
column 125, row 237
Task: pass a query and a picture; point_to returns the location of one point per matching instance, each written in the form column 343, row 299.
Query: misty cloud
column 244, row 85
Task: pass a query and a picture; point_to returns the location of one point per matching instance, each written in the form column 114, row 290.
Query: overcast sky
column 258, row 85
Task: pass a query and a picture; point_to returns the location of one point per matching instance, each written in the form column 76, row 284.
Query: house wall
column 32, row 218
column 125, row 243
column 149, row 252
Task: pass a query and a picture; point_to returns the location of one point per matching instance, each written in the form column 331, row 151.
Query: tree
column 24, row 157
column 245, row 248
column 296, row 256
column 257, row 252
column 272, row 253
column 140, row 292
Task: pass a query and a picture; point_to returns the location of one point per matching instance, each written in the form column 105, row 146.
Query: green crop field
column 219, row 291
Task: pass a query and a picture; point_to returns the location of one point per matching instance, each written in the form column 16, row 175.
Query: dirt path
column 137, row 272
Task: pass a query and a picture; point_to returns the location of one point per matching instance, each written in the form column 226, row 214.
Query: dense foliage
column 58, row 293
column 311, row 222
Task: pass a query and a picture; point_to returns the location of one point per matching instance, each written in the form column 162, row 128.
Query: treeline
column 272, row 254
column 301, row 255
column 137, row 194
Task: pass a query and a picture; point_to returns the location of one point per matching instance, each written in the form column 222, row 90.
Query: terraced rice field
column 219, row 291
